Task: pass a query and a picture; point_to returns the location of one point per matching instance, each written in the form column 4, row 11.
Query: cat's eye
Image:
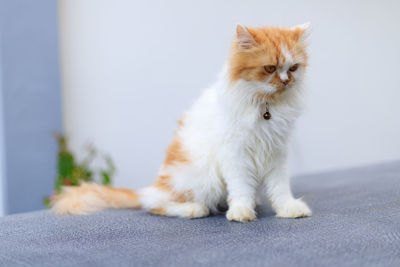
column 294, row 67
column 270, row 68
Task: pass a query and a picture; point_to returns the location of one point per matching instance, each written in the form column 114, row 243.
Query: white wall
column 131, row 67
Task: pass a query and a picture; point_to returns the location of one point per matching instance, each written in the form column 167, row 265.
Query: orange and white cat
column 231, row 144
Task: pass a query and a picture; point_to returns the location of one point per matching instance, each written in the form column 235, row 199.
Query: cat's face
column 273, row 59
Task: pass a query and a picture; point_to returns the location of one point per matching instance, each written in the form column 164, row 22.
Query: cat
column 231, row 144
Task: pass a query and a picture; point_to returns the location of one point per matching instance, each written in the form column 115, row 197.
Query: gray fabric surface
column 356, row 222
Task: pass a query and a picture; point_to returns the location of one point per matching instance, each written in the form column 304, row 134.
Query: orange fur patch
column 175, row 151
column 88, row 198
column 158, row 211
column 121, row 198
column 163, row 183
column 175, row 155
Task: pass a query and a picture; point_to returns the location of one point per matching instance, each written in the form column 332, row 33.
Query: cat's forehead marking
column 286, row 55
column 278, row 43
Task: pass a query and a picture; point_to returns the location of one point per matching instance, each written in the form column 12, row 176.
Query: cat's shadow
column 264, row 211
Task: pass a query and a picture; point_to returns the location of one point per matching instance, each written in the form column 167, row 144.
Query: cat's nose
column 285, row 82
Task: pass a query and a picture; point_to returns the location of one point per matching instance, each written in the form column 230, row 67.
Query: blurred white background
column 130, row 68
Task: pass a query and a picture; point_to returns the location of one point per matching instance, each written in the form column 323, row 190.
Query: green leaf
column 72, row 174
column 66, row 163
column 110, row 165
column 59, row 183
column 47, row 202
column 106, row 178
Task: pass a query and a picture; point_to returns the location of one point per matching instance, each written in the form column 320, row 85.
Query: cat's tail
column 88, row 198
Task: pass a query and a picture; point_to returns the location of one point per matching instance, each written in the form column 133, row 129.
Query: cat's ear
column 244, row 38
column 303, row 26
column 301, row 31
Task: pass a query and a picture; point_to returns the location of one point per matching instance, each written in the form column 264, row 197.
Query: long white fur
column 234, row 152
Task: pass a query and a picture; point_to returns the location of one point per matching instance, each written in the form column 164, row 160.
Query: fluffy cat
column 231, row 144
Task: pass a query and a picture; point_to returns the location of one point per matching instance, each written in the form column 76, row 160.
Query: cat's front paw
column 241, row 214
column 294, row 208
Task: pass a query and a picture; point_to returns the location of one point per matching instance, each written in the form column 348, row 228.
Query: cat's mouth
column 284, row 87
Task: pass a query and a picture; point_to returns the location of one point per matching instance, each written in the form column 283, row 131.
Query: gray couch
column 356, row 222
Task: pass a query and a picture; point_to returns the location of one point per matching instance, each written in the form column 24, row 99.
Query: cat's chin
column 273, row 97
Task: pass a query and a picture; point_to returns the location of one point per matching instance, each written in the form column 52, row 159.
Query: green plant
column 71, row 173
